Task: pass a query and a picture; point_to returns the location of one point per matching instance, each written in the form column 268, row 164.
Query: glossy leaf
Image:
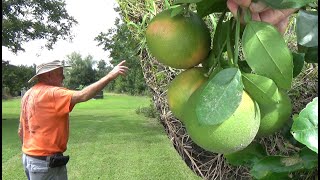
column 209, row 61
column 275, row 166
column 260, row 88
column 207, row 7
column 307, row 28
column 309, row 157
column 285, row 4
column 267, row 53
column 220, row 97
column 248, row 156
column 278, row 167
column 219, row 38
column 305, row 126
column 298, row 62
column 244, row 67
column 311, row 56
column 176, row 11
column 276, row 176
column 311, row 53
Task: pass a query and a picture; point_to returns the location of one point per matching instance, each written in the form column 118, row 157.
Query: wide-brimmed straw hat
column 47, row 67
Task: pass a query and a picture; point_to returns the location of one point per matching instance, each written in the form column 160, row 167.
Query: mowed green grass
column 108, row 140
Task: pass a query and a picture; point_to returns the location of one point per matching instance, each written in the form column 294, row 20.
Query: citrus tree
column 231, row 95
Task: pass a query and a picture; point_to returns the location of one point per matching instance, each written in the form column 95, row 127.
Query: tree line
column 84, row 70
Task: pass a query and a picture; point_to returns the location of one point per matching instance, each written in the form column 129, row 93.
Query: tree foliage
column 81, row 73
column 122, row 46
column 27, row 20
column 14, row 78
column 102, row 69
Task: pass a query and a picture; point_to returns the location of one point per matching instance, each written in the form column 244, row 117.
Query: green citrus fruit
column 232, row 135
column 274, row 116
column 180, row 41
column 181, row 88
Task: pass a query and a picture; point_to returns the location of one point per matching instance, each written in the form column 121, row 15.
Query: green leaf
column 298, row 62
column 285, row 4
column 267, row 53
column 276, row 166
column 176, row 11
column 305, row 127
column 220, row 97
column 209, row 61
column 244, row 67
column 219, row 37
column 215, row 71
column 307, row 28
column 311, row 53
column 207, row 7
column 248, row 156
column 309, row 157
column 247, row 15
column 185, row 1
column 260, row 88
column 276, row 176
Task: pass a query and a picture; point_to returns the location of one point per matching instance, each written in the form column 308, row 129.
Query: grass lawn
column 108, row 140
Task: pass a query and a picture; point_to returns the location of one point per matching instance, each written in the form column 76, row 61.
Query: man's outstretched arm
column 91, row 90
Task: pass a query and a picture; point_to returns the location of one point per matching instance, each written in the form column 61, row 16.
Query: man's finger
column 275, row 16
column 255, row 17
column 243, row 3
column 123, row 73
column 258, row 7
column 282, row 25
column 233, row 7
column 122, row 62
column 124, row 68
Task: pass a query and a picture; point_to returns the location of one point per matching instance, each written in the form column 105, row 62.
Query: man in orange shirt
column 44, row 119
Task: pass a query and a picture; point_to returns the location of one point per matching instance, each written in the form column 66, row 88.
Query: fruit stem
column 212, row 67
column 229, row 48
column 186, row 12
column 237, row 37
column 217, row 59
column 247, row 15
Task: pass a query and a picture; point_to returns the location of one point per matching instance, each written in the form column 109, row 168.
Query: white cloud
column 93, row 16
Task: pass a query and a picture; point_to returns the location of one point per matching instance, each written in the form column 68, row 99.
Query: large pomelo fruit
column 182, row 87
column 274, row 116
column 180, row 42
column 232, row 135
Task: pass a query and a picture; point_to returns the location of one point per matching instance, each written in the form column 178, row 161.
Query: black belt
column 42, row 157
column 39, row 157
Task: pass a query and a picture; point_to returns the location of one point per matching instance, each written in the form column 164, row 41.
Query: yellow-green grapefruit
column 274, row 116
column 180, row 41
column 232, row 135
column 181, row 88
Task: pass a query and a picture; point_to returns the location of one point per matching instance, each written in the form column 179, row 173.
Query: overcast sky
column 93, row 17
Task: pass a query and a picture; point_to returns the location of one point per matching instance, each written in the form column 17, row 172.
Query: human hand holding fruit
column 261, row 12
